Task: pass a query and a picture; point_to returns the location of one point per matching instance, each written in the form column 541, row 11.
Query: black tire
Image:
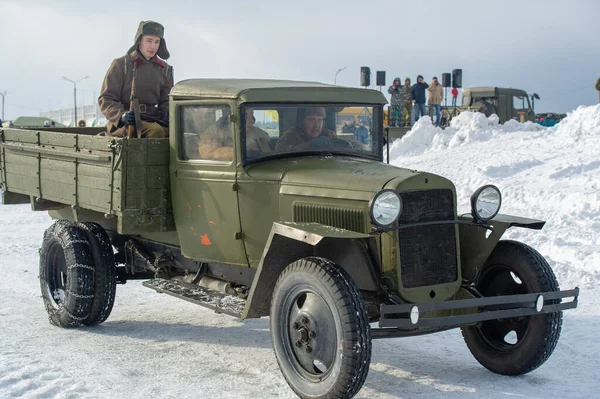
column 536, row 336
column 66, row 274
column 320, row 330
column 105, row 281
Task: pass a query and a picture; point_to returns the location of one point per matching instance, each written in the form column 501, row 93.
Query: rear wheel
column 320, row 330
column 517, row 345
column 66, row 274
column 105, row 281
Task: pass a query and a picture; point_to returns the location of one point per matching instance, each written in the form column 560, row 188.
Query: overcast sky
column 549, row 47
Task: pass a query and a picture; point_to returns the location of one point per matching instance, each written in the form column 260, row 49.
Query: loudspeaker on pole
column 380, row 78
column 457, row 78
column 446, row 80
column 365, row 76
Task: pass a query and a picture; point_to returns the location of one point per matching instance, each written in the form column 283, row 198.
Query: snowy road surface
column 156, row 346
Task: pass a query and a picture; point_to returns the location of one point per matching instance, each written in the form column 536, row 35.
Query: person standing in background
column 418, row 96
column 408, row 108
column 436, row 95
column 454, row 96
column 395, row 112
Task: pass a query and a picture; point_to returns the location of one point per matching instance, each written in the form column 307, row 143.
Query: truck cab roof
column 490, row 91
column 273, row 90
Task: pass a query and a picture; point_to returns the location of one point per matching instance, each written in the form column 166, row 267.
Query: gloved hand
column 128, row 118
column 321, row 142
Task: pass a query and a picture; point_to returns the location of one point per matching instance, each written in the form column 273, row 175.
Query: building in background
column 89, row 113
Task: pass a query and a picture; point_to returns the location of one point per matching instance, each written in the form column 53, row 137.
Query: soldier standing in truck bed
column 153, row 81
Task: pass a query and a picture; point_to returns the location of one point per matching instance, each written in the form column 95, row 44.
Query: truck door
column 520, row 107
column 203, row 178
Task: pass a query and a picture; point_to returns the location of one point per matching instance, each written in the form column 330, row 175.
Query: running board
column 217, row 301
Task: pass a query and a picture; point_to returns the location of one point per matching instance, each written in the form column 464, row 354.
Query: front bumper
column 410, row 318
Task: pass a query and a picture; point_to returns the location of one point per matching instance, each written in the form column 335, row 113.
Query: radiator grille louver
column 344, row 218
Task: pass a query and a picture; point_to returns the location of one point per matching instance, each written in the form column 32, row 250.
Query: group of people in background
column 407, row 103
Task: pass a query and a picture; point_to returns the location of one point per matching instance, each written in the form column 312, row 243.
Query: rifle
column 132, row 131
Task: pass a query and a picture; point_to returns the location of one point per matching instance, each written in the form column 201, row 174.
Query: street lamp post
column 3, row 94
column 74, row 95
column 338, row 71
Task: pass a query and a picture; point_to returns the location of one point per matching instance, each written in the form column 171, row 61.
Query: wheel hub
column 302, row 334
column 311, row 331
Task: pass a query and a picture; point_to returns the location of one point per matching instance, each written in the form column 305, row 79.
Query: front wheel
column 516, row 345
column 320, row 330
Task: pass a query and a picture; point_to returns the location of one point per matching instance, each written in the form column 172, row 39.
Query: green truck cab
column 507, row 103
column 242, row 211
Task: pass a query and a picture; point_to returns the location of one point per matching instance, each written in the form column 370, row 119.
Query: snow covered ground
column 156, row 346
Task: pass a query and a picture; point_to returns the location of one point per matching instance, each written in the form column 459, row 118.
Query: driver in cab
column 309, row 135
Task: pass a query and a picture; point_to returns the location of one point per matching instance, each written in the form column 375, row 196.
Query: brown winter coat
column 152, row 85
column 436, row 94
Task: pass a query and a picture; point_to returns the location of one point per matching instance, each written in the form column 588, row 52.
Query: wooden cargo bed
column 111, row 177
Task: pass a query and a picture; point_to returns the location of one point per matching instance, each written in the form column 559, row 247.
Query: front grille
column 343, row 218
column 427, row 253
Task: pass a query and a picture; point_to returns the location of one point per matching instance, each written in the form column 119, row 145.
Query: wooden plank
column 14, row 159
column 58, row 176
column 57, row 139
column 58, row 191
column 20, row 135
column 57, row 152
column 94, row 170
column 22, row 184
column 23, row 170
column 96, row 143
column 93, row 198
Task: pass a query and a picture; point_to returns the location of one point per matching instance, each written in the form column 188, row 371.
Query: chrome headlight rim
column 373, row 201
column 475, row 198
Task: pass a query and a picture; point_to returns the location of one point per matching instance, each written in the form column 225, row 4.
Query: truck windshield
column 268, row 131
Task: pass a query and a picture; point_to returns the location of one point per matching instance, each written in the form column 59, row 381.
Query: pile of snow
column 580, row 123
column 469, row 127
column 466, row 128
column 158, row 346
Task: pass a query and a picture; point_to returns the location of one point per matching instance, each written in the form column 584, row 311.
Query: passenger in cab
column 257, row 140
column 309, row 134
column 216, row 141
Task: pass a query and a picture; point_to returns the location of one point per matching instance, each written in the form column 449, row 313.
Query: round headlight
column 485, row 203
column 385, row 207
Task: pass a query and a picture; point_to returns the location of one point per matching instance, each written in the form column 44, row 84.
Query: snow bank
column 469, row 127
column 466, row 128
column 584, row 121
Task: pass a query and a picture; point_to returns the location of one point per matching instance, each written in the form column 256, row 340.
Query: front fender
column 477, row 243
column 289, row 242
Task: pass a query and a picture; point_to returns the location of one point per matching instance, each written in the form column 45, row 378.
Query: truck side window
column 206, row 133
column 519, row 102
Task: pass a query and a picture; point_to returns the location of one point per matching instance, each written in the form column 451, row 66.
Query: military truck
column 506, row 103
column 323, row 236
